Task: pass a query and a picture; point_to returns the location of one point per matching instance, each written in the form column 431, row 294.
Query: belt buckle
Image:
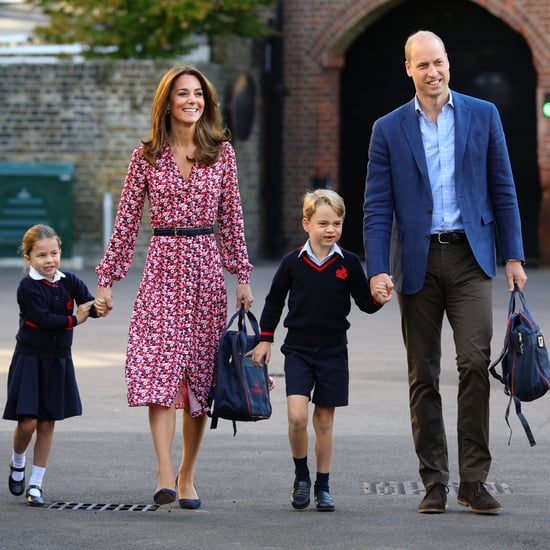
column 176, row 229
column 440, row 241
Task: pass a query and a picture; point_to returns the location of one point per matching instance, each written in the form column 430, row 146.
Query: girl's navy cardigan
column 46, row 318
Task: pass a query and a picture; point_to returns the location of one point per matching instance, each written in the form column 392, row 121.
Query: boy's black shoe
column 435, row 501
column 324, row 501
column 475, row 495
column 16, row 487
column 299, row 498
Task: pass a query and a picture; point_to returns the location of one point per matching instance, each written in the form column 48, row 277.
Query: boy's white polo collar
column 335, row 249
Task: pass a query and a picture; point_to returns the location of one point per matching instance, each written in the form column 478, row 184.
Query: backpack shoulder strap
column 521, row 418
column 495, row 363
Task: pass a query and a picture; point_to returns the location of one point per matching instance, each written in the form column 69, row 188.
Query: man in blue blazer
column 439, row 191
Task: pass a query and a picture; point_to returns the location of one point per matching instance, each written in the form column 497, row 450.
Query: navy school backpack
column 241, row 390
column 525, row 370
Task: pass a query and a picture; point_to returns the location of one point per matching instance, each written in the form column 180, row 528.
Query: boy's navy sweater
column 46, row 317
column 319, row 299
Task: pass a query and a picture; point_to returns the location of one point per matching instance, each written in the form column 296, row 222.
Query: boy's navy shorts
column 321, row 370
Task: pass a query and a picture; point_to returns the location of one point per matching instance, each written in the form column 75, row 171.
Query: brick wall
column 317, row 33
column 94, row 114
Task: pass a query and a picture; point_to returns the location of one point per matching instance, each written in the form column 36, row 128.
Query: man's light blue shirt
column 439, row 148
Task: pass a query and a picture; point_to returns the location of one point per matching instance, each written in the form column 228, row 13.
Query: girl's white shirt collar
column 37, row 277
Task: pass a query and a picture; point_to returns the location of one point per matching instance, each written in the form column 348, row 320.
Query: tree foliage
column 146, row 28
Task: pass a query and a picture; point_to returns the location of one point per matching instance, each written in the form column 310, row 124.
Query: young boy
column 319, row 278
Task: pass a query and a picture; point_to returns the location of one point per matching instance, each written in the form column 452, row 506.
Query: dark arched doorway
column 488, row 60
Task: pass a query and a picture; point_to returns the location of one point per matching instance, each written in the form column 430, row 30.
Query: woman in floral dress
column 187, row 170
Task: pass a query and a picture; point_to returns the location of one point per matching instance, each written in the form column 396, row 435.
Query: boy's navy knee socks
column 321, row 483
column 300, row 469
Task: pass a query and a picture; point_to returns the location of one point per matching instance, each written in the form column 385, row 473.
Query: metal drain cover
column 417, row 488
column 89, row 507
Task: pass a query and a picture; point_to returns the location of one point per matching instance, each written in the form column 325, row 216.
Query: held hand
column 100, row 305
column 259, row 363
column 104, row 294
column 381, row 293
column 244, row 296
column 515, row 274
column 261, row 353
column 381, row 287
column 83, row 312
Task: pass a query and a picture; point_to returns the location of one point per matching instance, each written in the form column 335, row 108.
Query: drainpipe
column 274, row 92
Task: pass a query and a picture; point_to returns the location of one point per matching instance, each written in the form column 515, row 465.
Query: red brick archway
column 312, row 121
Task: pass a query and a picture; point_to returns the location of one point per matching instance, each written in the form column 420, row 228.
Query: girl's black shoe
column 35, row 500
column 16, row 487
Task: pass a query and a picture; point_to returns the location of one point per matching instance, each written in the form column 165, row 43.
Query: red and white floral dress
column 180, row 310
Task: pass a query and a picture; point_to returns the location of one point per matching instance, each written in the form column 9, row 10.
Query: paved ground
column 106, row 456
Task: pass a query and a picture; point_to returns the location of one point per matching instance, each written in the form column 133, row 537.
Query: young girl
column 41, row 380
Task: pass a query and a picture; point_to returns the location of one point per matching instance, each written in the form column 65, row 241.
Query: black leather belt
column 448, row 238
column 182, row 231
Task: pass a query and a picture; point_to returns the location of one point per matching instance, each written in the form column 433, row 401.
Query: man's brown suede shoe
column 476, row 496
column 435, row 501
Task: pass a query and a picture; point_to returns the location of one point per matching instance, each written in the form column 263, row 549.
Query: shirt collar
column 37, row 277
column 418, row 108
column 335, row 249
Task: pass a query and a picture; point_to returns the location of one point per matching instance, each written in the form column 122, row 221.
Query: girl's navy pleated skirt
column 42, row 387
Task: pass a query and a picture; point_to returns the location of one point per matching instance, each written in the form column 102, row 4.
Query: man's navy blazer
column 398, row 197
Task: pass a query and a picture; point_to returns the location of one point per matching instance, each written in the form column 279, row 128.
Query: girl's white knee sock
column 37, row 475
column 17, row 461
